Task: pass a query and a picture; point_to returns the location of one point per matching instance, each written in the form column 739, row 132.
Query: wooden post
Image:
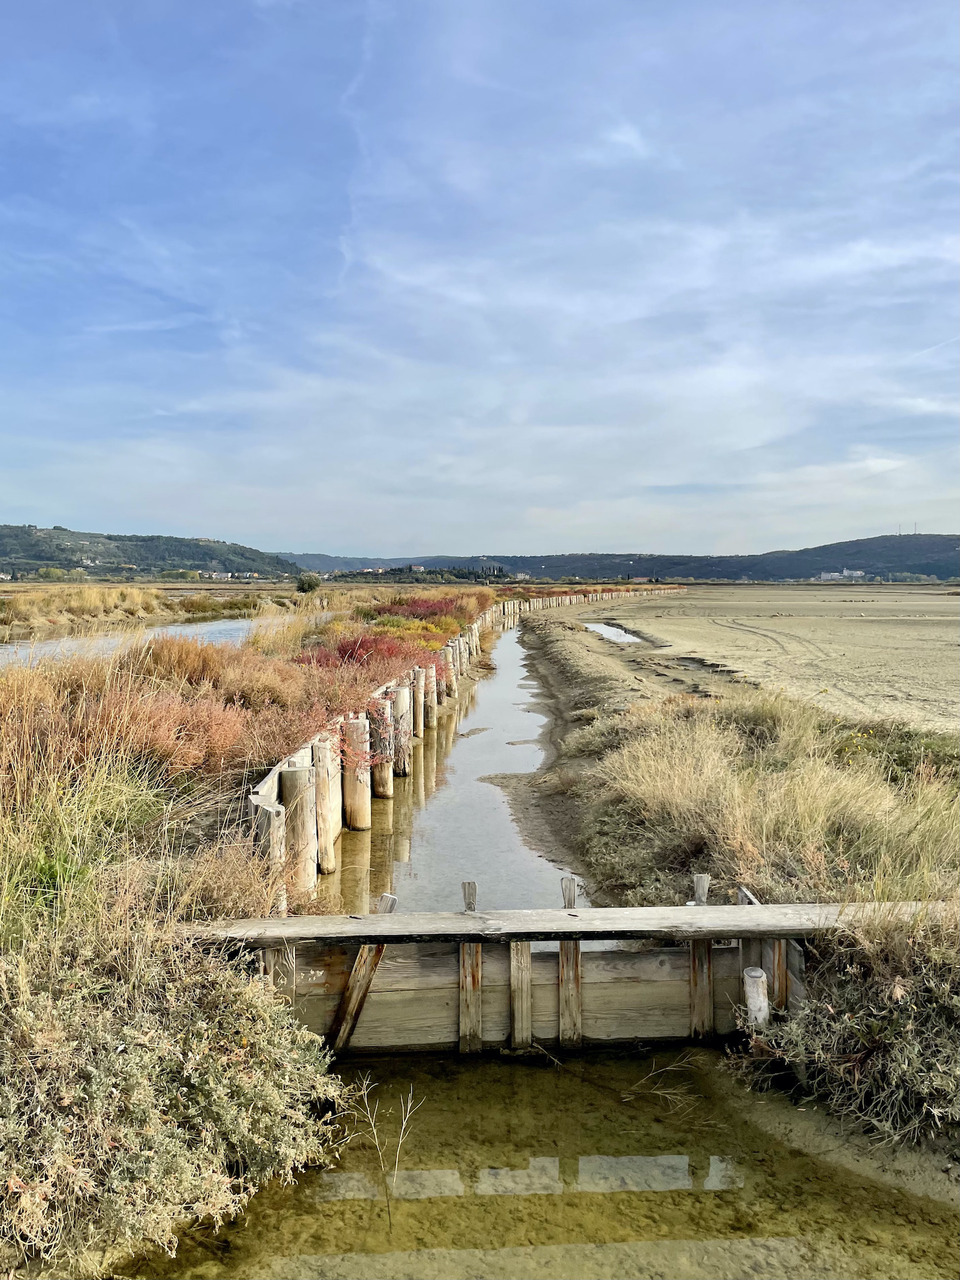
column 326, row 764
column 358, row 984
column 778, row 973
column 471, row 978
column 356, row 774
column 269, row 840
column 298, row 791
column 755, row 993
column 751, row 949
column 430, row 697
column 570, row 993
column 450, row 670
column 381, row 748
column 335, row 807
column 418, row 689
column 701, row 970
column 402, row 731
column 521, row 996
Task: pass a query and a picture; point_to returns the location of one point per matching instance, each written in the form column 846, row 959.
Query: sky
column 479, row 276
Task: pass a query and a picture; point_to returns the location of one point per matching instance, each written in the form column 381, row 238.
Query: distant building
column 845, row 576
column 639, row 579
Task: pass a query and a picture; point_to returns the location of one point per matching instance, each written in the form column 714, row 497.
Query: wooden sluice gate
column 474, row 980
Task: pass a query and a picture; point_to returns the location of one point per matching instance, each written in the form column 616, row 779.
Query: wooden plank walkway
column 675, row 924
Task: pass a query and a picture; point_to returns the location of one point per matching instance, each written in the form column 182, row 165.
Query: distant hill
column 26, row 548
column 934, row 554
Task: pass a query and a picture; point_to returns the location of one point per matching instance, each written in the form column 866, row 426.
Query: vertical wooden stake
column 469, row 888
column 755, row 993
column 571, row 1017
column 269, row 840
column 326, row 763
column 402, row 731
column 450, row 670
column 381, row 748
column 779, row 974
column 701, row 971
column 356, row 774
column 298, row 790
column 751, row 949
column 521, row 1001
column 430, row 697
column 418, row 689
column 471, row 976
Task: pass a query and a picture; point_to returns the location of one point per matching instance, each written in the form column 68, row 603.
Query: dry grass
column 758, row 790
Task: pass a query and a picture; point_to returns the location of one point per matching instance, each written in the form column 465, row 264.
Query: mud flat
column 861, row 652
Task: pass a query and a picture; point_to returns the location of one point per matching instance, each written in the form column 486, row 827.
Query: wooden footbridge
column 578, row 976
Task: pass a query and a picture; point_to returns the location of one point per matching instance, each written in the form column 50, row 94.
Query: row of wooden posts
column 299, row 809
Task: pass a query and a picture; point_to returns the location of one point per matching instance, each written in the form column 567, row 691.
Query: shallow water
column 608, row 1166
column 445, row 823
column 217, row 631
column 610, row 632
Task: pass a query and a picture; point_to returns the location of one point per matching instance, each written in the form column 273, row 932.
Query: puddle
column 610, row 632
column 446, row 824
column 611, row 1166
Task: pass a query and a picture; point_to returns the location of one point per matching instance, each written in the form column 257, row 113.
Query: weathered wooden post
column 430, row 697
column 269, row 840
column 418, row 688
column 356, row 774
column 326, row 765
column 471, row 977
column 757, row 1001
column 381, row 748
column 450, row 670
column 701, row 970
column 402, row 731
column 298, row 791
column 571, row 1017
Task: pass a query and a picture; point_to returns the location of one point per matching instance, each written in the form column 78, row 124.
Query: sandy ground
column 858, row 651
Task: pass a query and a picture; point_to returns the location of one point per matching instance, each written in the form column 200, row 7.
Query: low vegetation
column 145, row 1083
column 760, row 790
column 71, row 607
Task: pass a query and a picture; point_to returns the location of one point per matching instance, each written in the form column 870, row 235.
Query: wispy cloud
column 664, row 278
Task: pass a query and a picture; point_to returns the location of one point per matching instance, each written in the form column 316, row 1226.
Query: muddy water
column 446, row 823
column 612, row 1166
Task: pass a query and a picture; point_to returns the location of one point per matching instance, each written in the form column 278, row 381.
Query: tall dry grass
column 80, row 603
column 760, row 790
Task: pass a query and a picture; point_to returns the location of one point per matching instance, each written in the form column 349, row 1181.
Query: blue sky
column 479, row 275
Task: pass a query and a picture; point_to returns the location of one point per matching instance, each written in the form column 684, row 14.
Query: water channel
column 615, row 1165
column 216, row 631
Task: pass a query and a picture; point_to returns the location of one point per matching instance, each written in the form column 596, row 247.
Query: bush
column 307, row 582
column 143, row 1084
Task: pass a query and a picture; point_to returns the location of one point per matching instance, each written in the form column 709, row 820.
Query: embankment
column 666, row 769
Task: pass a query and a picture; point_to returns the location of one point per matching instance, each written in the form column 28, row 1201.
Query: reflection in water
column 523, row 1169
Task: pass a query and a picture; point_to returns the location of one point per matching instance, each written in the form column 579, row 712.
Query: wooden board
column 796, row 920
column 414, row 1001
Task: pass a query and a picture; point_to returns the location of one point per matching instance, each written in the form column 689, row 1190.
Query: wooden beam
column 571, row 1008
column 358, row 984
column 471, row 978
column 521, row 1002
column 701, row 970
column 681, row 924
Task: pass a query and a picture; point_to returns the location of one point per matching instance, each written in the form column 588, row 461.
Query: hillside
column 934, row 554
column 26, row 548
